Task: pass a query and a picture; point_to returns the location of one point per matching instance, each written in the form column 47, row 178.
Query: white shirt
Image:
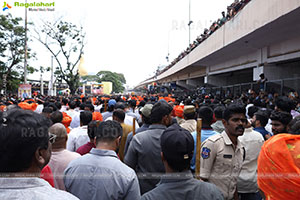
column 252, row 141
column 71, row 113
column 97, row 108
column 75, row 119
column 63, row 108
column 31, row 188
column 39, row 108
column 77, row 137
column 128, row 120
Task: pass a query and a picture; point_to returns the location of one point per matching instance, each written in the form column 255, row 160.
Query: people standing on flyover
column 222, row 155
column 262, row 82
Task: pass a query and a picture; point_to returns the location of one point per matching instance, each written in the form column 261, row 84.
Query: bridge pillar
column 216, row 80
column 194, row 82
column 183, row 84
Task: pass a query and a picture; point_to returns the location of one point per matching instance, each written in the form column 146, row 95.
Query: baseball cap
column 146, row 110
column 177, row 146
column 111, row 102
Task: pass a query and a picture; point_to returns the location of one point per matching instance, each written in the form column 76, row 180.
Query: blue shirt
column 205, row 133
column 101, row 175
column 262, row 131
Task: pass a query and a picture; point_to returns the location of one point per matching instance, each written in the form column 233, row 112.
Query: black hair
column 77, row 103
column 206, row 113
column 284, row 104
column 252, row 110
column 218, row 111
column 82, row 106
column 233, row 109
column 90, row 106
column 72, row 105
column 85, row 117
column 147, row 120
column 46, row 103
column 56, row 117
column 120, row 105
column 191, row 115
column 22, row 132
column 120, row 114
column 108, row 131
column 65, row 101
column 111, row 108
column 142, row 103
column 283, row 117
column 58, row 105
column 132, row 103
column 294, row 126
column 159, row 110
column 53, row 106
column 92, row 128
column 47, row 110
column 263, row 117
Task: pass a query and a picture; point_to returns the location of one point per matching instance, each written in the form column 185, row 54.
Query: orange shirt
column 97, row 116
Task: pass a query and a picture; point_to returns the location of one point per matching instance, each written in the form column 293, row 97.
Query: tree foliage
column 12, row 39
column 117, row 79
column 65, row 42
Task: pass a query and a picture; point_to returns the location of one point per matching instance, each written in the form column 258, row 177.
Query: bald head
column 60, row 131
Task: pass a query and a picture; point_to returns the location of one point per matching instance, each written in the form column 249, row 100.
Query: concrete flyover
column 264, row 37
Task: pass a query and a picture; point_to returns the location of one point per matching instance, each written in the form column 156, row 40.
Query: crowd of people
column 145, row 147
column 232, row 10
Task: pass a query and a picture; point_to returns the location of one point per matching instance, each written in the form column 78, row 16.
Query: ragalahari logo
column 6, row 6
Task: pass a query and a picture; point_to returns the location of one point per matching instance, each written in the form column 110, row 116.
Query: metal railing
column 280, row 86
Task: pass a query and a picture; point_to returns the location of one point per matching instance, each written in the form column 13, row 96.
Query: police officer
column 222, row 154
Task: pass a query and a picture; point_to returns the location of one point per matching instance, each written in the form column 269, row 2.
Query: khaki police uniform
column 221, row 164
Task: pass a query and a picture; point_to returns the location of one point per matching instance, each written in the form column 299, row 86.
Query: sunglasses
column 52, row 138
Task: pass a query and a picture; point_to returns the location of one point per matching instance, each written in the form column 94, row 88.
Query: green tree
column 117, row 80
column 65, row 41
column 12, row 39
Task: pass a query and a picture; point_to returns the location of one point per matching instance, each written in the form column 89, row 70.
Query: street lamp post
column 190, row 22
column 25, row 57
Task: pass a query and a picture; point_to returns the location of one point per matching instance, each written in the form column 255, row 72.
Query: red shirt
column 47, row 175
column 84, row 149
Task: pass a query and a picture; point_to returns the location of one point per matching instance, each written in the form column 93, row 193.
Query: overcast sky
column 132, row 37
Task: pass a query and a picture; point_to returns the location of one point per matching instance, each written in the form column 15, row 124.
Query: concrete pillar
column 216, row 80
column 193, row 82
column 182, row 84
